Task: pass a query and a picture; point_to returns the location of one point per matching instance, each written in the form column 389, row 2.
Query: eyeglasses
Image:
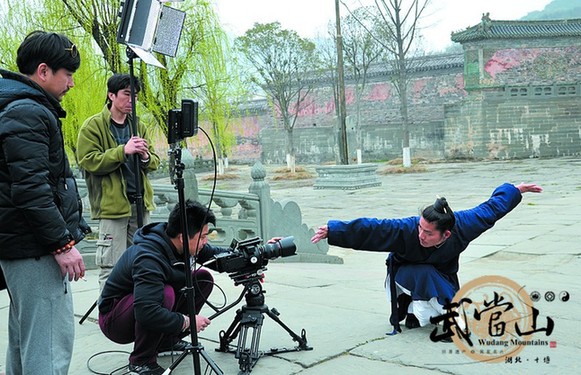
column 73, row 50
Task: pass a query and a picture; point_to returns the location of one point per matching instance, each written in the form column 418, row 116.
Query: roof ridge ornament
column 486, row 22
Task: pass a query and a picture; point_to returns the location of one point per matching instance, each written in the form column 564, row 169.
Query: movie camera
column 245, row 265
column 249, row 255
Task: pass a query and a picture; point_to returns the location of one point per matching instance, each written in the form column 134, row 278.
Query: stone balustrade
column 238, row 216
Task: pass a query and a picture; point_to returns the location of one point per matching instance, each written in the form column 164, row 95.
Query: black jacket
column 40, row 208
column 144, row 269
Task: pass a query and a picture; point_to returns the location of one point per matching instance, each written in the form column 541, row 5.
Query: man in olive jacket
column 106, row 149
column 40, row 213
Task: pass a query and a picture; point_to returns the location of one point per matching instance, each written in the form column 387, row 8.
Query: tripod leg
column 200, row 351
column 88, row 312
column 211, row 363
column 244, row 360
column 226, row 337
column 301, row 340
column 248, row 356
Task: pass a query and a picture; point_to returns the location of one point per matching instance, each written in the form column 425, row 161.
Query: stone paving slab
column 343, row 307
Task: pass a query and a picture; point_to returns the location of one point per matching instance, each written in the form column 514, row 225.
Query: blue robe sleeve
column 371, row 234
column 475, row 221
column 400, row 235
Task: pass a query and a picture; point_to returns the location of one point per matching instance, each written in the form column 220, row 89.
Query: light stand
column 197, row 349
column 145, row 26
column 148, row 26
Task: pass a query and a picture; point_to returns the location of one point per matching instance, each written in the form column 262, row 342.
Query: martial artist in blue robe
column 423, row 257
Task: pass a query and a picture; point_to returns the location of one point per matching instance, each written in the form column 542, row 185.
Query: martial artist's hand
column 320, row 234
column 529, row 188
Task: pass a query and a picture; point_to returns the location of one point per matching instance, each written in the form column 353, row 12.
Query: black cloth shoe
column 176, row 349
column 403, row 302
column 411, row 321
column 148, row 369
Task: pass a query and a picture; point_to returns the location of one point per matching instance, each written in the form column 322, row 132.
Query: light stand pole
column 197, row 349
column 133, row 121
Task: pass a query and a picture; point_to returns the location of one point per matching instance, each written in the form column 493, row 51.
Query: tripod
column 251, row 316
column 197, row 349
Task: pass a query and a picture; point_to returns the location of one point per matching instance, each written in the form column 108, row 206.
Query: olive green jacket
column 101, row 158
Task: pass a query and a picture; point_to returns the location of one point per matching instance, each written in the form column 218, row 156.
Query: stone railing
column 238, row 215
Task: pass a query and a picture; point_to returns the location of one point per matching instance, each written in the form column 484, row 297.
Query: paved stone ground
column 343, row 308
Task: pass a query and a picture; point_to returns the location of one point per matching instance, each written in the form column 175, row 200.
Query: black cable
column 195, row 266
column 215, row 308
column 106, row 352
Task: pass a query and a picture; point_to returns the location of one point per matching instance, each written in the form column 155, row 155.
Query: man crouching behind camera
column 141, row 301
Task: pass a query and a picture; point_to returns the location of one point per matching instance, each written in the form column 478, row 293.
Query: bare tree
column 284, row 64
column 397, row 32
column 327, row 52
column 361, row 50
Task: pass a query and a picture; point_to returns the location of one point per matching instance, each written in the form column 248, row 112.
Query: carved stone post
column 190, row 180
column 261, row 188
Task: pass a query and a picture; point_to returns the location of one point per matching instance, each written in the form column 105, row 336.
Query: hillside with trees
column 556, row 10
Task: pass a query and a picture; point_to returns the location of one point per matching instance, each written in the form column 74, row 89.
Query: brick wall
column 509, row 128
column 261, row 137
column 522, row 99
column 522, row 62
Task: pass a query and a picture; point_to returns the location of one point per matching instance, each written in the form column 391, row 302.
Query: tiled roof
column 420, row 64
column 491, row 29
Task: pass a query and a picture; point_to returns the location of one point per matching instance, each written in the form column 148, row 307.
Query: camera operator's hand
column 274, row 239
column 71, row 263
column 202, row 322
column 320, row 234
column 144, row 156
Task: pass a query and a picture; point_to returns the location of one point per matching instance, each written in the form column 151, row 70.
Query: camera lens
column 283, row 248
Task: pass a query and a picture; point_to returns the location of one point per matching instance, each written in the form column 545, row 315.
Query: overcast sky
column 310, row 17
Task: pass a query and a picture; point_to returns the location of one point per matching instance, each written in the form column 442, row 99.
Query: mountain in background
column 556, row 10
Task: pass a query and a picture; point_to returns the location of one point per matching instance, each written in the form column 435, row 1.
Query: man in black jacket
column 141, row 301
column 40, row 212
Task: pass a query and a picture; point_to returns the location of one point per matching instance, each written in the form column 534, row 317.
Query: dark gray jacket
column 40, row 208
column 143, row 270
